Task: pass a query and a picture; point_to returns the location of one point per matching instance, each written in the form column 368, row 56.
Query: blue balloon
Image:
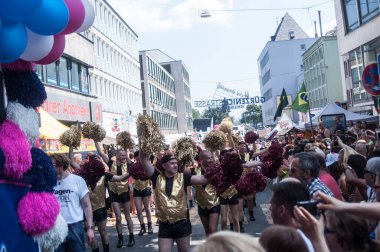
column 18, row 10
column 13, row 41
column 50, row 19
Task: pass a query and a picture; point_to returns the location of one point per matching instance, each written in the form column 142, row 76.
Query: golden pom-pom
column 149, row 134
column 236, row 138
column 226, row 125
column 185, row 151
column 125, row 140
column 91, row 130
column 71, row 137
column 215, row 140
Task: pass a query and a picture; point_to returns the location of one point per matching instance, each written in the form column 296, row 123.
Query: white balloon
column 89, row 16
column 38, row 46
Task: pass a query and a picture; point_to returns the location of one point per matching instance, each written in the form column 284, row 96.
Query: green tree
column 216, row 113
column 252, row 115
column 196, row 114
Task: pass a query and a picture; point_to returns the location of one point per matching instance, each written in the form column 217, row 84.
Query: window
column 63, row 73
column 351, row 14
column 265, row 78
column 303, row 47
column 301, row 67
column 52, row 73
column 264, row 60
column 75, row 76
column 268, row 95
column 84, row 81
column 368, row 9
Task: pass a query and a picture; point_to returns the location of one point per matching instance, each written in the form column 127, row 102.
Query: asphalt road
column 149, row 242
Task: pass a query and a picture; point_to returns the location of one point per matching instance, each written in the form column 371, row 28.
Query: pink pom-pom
column 250, row 183
column 16, row 150
column 250, row 137
column 37, row 212
column 272, row 160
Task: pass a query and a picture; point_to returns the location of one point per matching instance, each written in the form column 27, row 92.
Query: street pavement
column 149, row 242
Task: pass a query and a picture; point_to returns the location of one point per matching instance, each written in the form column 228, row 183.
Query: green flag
column 300, row 103
column 283, row 103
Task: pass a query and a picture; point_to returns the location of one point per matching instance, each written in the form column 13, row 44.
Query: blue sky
column 223, row 48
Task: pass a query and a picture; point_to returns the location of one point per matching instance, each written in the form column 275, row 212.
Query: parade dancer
column 170, row 191
column 206, row 197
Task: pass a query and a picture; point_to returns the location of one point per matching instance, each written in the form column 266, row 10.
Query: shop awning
column 50, row 128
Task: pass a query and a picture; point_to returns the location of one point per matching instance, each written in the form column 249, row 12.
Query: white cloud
column 169, row 15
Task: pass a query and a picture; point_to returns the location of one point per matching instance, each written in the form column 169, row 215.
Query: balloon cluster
column 34, row 30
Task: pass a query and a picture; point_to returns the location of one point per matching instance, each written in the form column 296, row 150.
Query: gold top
column 246, row 170
column 97, row 196
column 172, row 208
column 140, row 184
column 205, row 197
column 229, row 193
column 120, row 186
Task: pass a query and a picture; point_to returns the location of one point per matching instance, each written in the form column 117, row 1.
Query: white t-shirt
column 307, row 241
column 69, row 192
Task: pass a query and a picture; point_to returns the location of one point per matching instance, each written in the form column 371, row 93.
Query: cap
column 167, row 158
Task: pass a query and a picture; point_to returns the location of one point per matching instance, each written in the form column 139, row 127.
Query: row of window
column 189, row 124
column 264, row 60
column 185, row 74
column 107, row 89
column 265, row 78
column 268, row 94
column 114, row 63
column 186, row 90
column 188, row 107
column 159, row 97
column 66, row 73
column 166, row 121
column 164, row 80
column 318, row 103
column 113, row 27
column 313, row 59
column 358, row 12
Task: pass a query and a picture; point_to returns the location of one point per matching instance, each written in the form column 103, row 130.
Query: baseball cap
column 167, row 158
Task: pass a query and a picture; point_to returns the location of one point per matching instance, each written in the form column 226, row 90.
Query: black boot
column 95, row 250
column 231, row 226
column 251, row 217
column 106, row 247
column 191, row 203
column 142, row 230
column 120, row 241
column 254, row 201
column 150, row 228
column 241, row 227
column 131, row 241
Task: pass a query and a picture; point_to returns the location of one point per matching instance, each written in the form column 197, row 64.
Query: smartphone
column 310, row 206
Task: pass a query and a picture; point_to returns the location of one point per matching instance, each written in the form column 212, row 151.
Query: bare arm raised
column 101, row 153
column 145, row 161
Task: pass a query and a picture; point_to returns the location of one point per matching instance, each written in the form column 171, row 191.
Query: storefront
column 61, row 110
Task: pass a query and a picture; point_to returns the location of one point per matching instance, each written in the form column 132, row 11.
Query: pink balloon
column 89, row 17
column 76, row 15
column 56, row 51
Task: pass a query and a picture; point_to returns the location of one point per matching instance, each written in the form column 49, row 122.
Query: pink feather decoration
column 16, row 150
column 37, row 212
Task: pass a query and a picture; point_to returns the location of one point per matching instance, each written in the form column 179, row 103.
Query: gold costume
column 229, row 193
column 121, row 186
column 205, row 197
column 98, row 195
column 140, row 184
column 171, row 208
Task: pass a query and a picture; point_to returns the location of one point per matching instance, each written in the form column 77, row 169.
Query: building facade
column 158, row 67
column 279, row 65
column 322, row 73
column 115, row 76
column 359, row 44
column 158, row 93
